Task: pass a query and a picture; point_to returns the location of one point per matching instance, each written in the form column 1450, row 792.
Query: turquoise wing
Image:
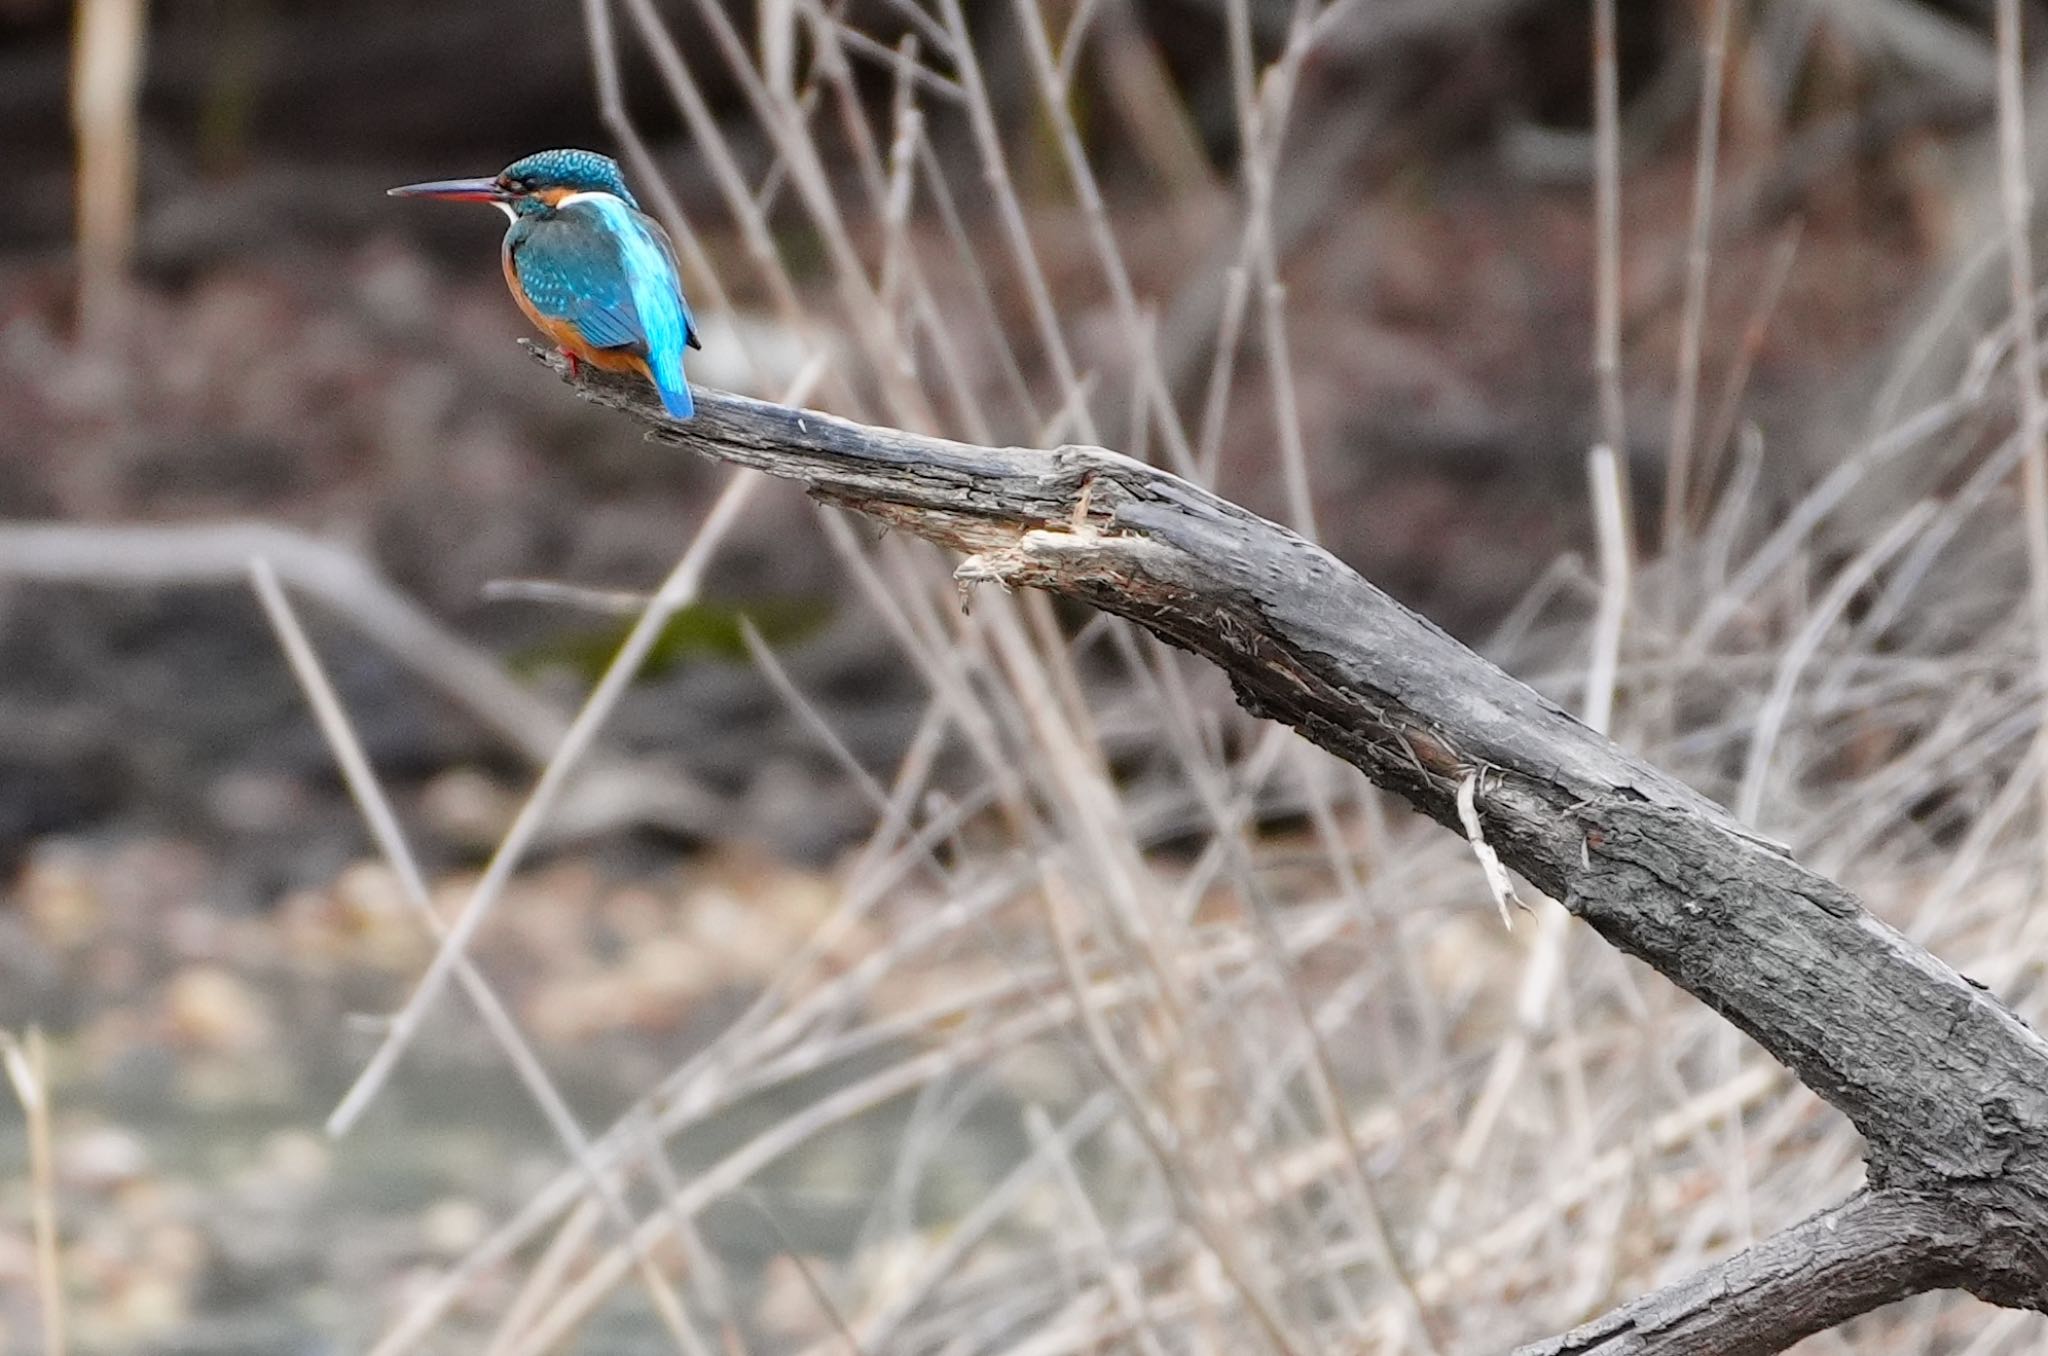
column 574, row 270
column 609, row 270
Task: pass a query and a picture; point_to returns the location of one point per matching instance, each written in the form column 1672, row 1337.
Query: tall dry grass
column 1280, row 1080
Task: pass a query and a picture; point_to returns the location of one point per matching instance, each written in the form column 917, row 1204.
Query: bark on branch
column 1947, row 1086
column 1874, row 1248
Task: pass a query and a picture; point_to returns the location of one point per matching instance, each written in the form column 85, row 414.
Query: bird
column 596, row 274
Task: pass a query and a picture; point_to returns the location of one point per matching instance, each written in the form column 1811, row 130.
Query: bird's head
column 535, row 183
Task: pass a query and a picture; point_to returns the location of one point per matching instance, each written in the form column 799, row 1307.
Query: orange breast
column 565, row 334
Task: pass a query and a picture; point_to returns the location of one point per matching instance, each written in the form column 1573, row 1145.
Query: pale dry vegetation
column 1182, row 1038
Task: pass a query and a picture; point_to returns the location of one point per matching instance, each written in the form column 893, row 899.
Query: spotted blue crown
column 577, row 171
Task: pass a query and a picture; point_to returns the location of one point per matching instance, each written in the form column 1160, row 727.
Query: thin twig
column 1498, row 882
column 609, row 602
column 1792, row 664
column 1693, row 322
column 1607, row 238
column 1754, row 331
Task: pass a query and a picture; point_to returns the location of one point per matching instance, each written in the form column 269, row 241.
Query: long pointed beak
column 455, row 190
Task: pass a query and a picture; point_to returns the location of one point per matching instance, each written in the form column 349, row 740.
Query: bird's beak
column 455, row 190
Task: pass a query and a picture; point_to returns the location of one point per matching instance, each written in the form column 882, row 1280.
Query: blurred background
column 876, row 940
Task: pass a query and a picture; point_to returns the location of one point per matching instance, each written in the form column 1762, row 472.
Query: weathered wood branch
column 1947, row 1086
column 1872, row 1249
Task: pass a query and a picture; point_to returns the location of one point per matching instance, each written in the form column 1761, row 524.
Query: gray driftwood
column 1948, row 1088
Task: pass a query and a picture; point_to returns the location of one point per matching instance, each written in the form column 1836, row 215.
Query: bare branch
column 1872, row 1249
column 1948, row 1087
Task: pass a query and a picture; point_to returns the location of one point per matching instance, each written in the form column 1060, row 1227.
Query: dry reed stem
column 1607, row 256
column 1373, row 1222
column 903, row 299
column 857, row 293
column 1545, row 965
column 1776, row 710
column 830, row 28
column 981, row 294
column 1611, row 531
column 562, row 1252
column 581, row 1297
column 1754, row 332
column 28, row 1070
column 1779, row 551
column 1262, row 104
column 878, row 1328
column 1699, row 255
column 106, row 84
column 1142, row 88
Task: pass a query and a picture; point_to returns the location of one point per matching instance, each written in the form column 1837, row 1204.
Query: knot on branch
column 1073, row 561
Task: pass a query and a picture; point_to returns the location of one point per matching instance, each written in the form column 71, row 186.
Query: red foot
column 575, row 365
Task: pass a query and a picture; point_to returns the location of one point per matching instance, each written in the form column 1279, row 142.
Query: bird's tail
column 665, row 370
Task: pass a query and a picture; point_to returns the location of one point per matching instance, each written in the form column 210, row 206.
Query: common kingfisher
column 593, row 271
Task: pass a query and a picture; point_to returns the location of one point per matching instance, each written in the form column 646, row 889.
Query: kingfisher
column 594, row 272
